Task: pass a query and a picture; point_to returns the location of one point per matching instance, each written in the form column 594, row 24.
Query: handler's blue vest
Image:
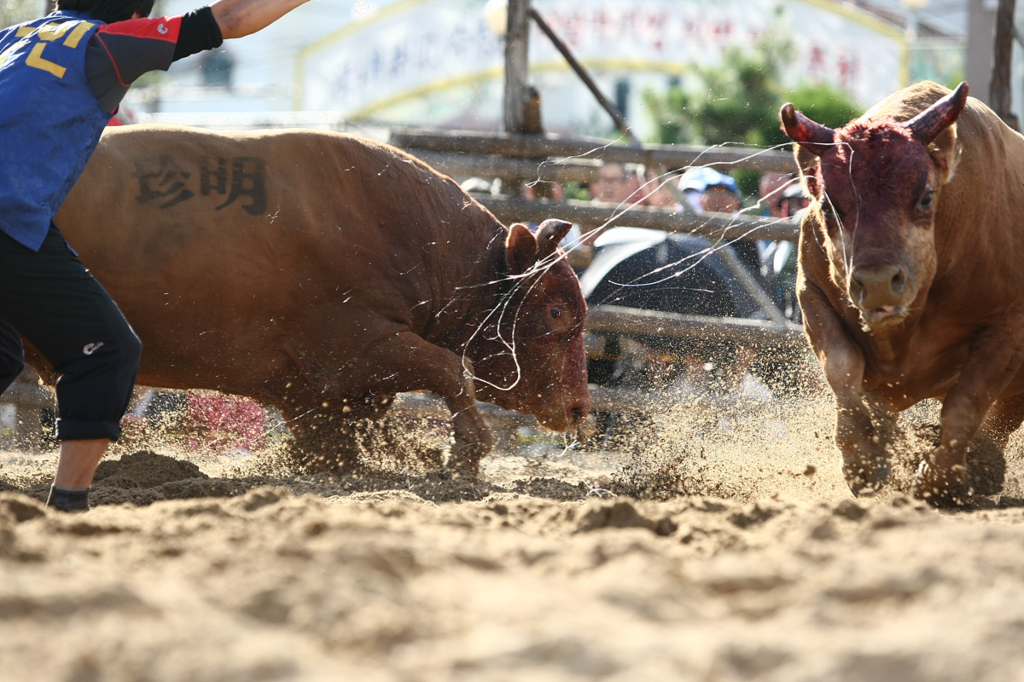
column 50, row 121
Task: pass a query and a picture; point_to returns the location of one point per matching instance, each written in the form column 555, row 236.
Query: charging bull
column 911, row 276
column 322, row 273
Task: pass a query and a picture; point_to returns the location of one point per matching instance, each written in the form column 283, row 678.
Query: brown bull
column 912, row 275
column 322, row 273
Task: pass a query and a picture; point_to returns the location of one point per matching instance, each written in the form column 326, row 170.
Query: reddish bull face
column 876, row 187
column 529, row 356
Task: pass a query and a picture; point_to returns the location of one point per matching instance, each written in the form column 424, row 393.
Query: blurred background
column 666, row 63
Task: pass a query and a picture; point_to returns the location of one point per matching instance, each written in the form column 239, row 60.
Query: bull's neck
column 466, row 330
column 890, row 343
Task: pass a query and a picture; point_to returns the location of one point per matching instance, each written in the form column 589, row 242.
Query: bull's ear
column 520, row 249
column 550, row 234
column 945, row 153
column 808, row 163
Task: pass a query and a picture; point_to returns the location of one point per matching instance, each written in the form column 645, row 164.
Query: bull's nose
column 878, row 286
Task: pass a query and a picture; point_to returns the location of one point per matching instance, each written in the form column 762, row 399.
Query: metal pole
column 517, row 44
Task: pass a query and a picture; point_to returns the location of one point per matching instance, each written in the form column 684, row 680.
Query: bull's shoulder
column 977, row 120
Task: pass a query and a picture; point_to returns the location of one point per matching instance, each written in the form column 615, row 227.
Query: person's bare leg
column 78, row 462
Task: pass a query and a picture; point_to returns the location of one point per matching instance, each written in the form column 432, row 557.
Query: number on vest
column 74, row 30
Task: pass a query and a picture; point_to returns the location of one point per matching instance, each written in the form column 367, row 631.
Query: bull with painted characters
column 322, row 273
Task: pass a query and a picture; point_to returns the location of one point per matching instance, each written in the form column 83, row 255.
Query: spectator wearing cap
column 708, row 191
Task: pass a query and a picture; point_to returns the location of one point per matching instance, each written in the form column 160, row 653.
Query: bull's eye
column 926, row 200
column 555, row 313
column 828, row 213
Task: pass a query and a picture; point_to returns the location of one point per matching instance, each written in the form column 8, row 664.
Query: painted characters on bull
column 170, row 182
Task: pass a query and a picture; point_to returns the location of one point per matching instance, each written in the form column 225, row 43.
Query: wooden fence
column 766, row 337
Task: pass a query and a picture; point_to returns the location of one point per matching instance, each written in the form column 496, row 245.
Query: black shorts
column 51, row 299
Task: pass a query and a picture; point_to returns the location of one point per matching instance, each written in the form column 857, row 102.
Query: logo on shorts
column 91, row 348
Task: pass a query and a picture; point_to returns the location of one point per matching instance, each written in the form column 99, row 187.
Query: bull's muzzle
column 878, row 288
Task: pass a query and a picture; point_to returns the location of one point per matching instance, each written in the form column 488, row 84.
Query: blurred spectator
column 614, row 184
column 691, row 185
column 779, row 259
column 654, row 191
column 721, row 197
column 541, row 189
column 771, row 188
column 793, row 201
column 708, row 191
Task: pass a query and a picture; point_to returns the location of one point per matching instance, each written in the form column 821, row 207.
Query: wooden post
column 999, row 87
column 517, row 48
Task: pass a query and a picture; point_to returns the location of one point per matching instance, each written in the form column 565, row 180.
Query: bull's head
column 876, row 185
column 530, row 355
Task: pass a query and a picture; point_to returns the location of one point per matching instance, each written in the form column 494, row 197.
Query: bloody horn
column 927, row 125
column 812, row 136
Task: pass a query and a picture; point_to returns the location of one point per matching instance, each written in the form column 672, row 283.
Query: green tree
column 739, row 101
column 734, row 98
column 821, row 102
column 670, row 113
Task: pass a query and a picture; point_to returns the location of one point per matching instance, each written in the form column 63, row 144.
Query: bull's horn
column 812, row 136
column 927, row 125
column 550, row 233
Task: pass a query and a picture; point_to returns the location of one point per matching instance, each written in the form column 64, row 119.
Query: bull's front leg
column 995, row 359
column 865, row 457
column 409, row 363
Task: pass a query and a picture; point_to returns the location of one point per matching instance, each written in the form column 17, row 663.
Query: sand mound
column 386, row 585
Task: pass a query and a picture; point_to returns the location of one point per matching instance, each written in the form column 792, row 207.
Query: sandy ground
column 727, row 547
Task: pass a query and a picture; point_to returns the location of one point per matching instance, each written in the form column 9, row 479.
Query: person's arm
column 238, row 18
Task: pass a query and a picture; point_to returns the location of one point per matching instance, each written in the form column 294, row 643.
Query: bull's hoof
column 866, row 477
column 986, row 467
column 465, row 458
column 941, row 488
